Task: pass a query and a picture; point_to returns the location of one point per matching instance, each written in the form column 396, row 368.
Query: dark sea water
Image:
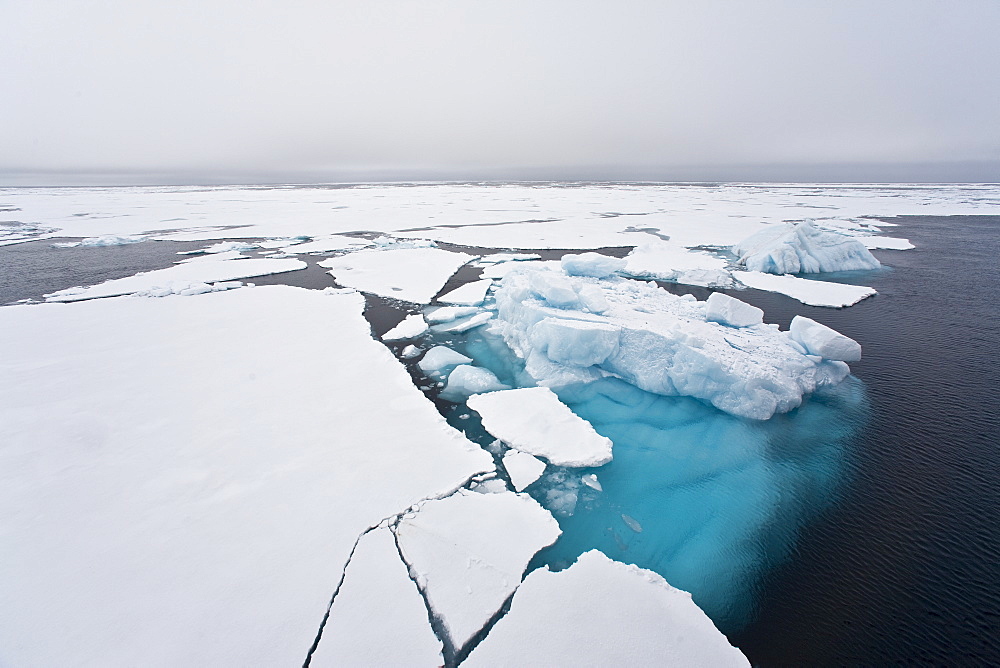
column 897, row 561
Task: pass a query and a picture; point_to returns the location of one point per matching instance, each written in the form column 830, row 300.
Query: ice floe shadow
column 710, row 501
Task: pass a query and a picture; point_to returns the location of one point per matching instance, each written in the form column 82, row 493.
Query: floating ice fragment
column 522, row 468
column 591, row 264
column 632, row 523
column 807, row 291
column 591, row 481
column 803, row 248
column 465, row 324
column 409, row 352
column 470, row 294
column 533, row 420
column 466, row 380
column 410, row 274
column 103, row 240
column 730, row 311
column 440, row 358
column 411, row 327
column 818, row 339
column 448, row 313
column 600, row 612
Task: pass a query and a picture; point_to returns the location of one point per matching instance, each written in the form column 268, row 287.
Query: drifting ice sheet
column 411, row 327
column 376, row 602
column 807, row 291
column 410, row 274
column 522, row 468
column 665, row 261
column 183, row 479
column 468, row 552
column 187, row 273
column 533, row 420
column 803, row 248
column 470, row 294
column 600, row 612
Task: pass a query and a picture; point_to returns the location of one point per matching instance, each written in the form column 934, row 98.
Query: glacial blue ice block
column 795, row 248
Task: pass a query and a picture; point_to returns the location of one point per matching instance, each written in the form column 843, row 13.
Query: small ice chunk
column 632, row 523
column 591, row 481
column 600, row 612
column 730, row 311
column 533, row 420
column 440, row 358
column 522, row 468
column 591, row 264
column 411, row 327
column 466, row 380
column 409, row 352
column 465, row 324
column 448, row 313
column 470, row 294
column 818, row 339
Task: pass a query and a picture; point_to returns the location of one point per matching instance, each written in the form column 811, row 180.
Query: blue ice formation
column 803, row 248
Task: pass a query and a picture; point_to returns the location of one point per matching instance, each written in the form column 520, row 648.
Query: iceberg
column 533, row 420
column 655, row 340
column 181, row 477
column 730, row 311
column 377, row 600
column 600, row 612
column 466, row 380
column 408, row 274
column 807, row 291
column 411, row 327
column 470, row 294
column 468, row 551
column 803, row 248
column 818, row 339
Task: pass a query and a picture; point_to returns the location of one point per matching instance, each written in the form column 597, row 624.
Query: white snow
column 377, row 601
column 439, row 358
column 468, row 552
column 466, row 380
column 664, row 344
column 411, row 327
column 178, row 277
column 667, row 261
column 807, row 291
column 470, row 294
column 730, row 311
column 591, row 264
column 818, row 339
column 409, row 274
column 600, row 612
column 182, row 480
column 803, row 248
column 522, row 468
column 533, row 420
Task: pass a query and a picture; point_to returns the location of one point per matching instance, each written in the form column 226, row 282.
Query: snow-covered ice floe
column 103, row 240
column 184, row 278
column 327, row 244
column 803, row 248
column 183, row 480
column 533, row 420
column 522, row 468
column 468, row 552
column 600, row 612
column 408, row 274
column 411, row 327
column 470, row 294
column 466, row 380
column 574, row 329
column 807, row 291
column 666, row 261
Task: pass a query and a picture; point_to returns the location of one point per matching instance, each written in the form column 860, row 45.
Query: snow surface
column 807, row 291
column 409, row 274
column 803, row 248
column 522, row 468
column 730, row 311
column 468, row 552
column 466, row 380
column 533, row 420
column 666, row 261
column 470, row 294
column 411, row 327
column 179, row 277
column 818, row 339
column 600, row 612
column 377, row 601
column 655, row 340
column 182, row 480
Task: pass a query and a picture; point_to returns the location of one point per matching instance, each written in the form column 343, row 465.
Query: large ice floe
column 803, row 248
column 665, row 261
column 600, row 612
column 808, row 291
column 408, row 274
column 183, row 480
column 572, row 329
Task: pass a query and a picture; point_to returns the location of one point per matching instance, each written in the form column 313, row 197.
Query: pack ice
column 796, row 248
column 573, row 329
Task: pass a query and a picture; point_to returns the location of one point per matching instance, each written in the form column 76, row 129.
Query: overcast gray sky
column 544, row 89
